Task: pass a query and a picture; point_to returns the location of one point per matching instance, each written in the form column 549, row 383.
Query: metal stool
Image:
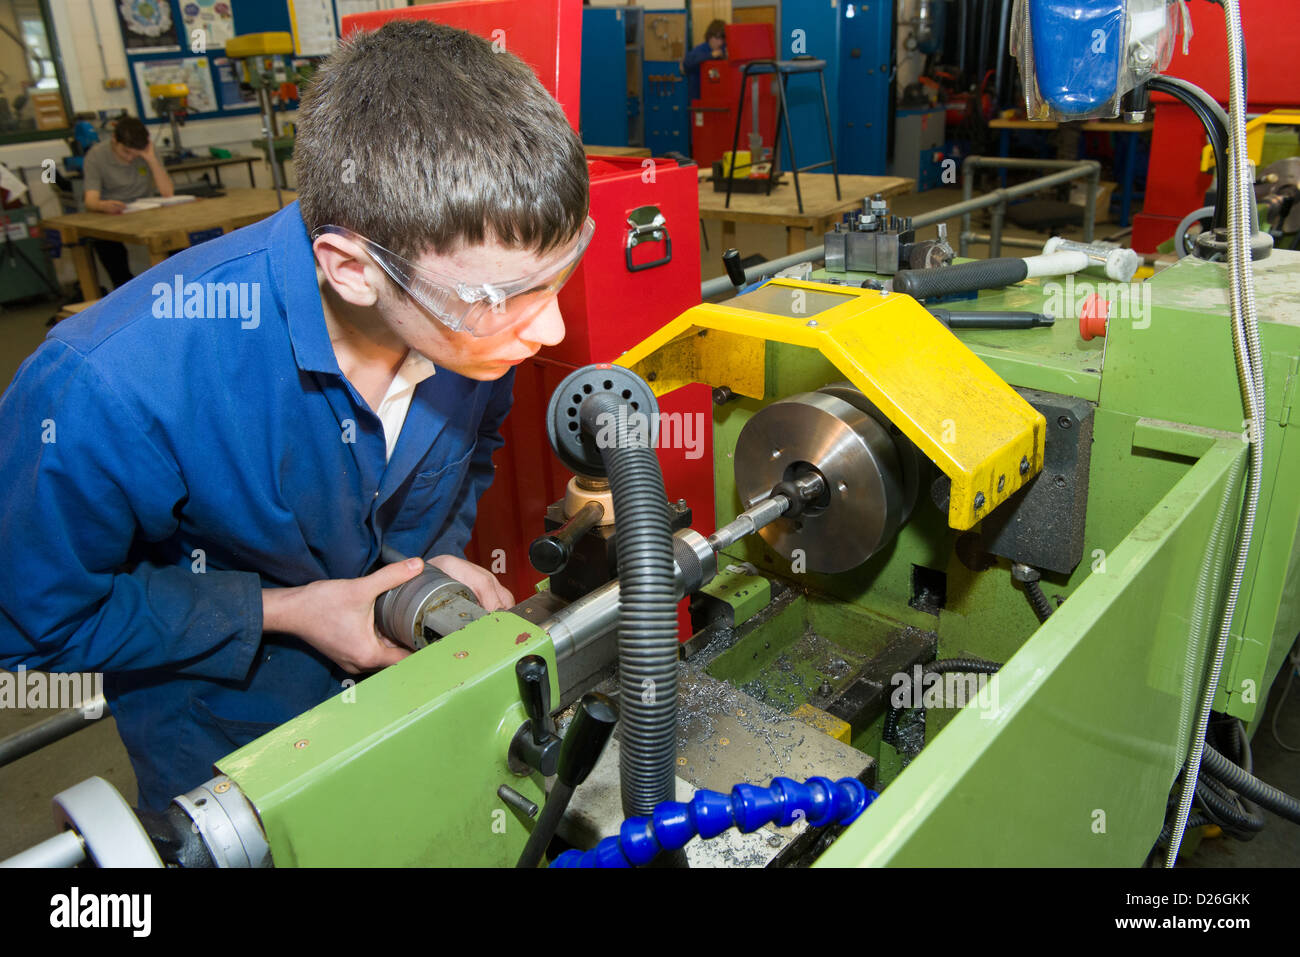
column 784, row 69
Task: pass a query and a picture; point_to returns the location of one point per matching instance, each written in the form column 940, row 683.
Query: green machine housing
column 1069, row 759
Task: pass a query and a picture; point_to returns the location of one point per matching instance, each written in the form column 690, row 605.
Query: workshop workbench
column 591, row 150
column 1126, row 157
column 215, row 163
column 162, row 231
column 821, row 208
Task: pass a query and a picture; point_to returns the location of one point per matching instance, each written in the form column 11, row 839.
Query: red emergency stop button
column 1092, row 317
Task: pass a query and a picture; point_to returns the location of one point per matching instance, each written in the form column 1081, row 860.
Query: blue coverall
column 163, row 465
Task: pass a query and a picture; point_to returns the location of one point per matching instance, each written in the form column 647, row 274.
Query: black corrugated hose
column 1038, row 601
column 941, row 666
column 1249, row 786
column 647, row 617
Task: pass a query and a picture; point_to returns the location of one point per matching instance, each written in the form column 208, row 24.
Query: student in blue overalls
column 201, row 470
column 714, row 47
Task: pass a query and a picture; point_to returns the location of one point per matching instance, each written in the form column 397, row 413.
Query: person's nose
column 546, row 328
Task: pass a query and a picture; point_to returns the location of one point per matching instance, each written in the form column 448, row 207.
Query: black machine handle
column 593, row 723
column 535, row 692
column 735, row 271
column 549, row 553
column 973, row 319
column 964, row 277
column 586, row 738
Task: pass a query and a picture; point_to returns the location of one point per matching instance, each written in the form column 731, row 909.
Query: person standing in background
column 124, row 169
column 714, row 47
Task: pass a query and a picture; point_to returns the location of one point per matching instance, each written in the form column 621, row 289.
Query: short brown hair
column 716, row 28
column 131, row 133
column 422, row 137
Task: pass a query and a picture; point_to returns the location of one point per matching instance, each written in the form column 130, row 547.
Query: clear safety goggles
column 481, row 309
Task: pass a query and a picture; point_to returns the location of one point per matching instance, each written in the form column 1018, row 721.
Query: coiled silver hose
column 1250, row 376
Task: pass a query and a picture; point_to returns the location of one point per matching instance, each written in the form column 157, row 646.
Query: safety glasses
column 483, row 309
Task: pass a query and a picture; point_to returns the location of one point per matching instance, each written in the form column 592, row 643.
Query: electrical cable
column 889, row 731
column 1247, row 355
column 1246, row 784
column 1215, row 121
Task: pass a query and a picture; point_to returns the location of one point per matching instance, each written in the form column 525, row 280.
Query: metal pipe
column 995, row 230
column 59, row 726
column 63, row 850
column 1018, row 241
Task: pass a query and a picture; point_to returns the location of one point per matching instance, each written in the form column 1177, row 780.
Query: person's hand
column 114, row 206
column 337, row 616
column 148, row 154
column 491, row 594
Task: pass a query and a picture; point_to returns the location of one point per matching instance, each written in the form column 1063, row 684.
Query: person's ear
column 348, row 269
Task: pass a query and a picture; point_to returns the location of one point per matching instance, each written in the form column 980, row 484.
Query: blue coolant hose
column 819, row 801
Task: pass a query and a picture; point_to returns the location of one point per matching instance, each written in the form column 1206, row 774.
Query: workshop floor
column 27, row 785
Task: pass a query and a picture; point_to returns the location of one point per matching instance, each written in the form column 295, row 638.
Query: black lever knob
column 586, row 738
column 535, row 692
column 551, row 552
column 584, row 742
column 735, row 271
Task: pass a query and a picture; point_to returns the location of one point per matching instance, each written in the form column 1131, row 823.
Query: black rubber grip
column 965, row 277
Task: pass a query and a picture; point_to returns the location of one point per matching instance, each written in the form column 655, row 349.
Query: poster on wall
column 147, row 26
column 208, row 24
column 192, row 71
column 233, row 95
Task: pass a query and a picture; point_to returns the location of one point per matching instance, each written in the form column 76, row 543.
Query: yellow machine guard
column 957, row 411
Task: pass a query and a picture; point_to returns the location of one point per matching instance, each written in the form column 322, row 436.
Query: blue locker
column 863, row 121
column 812, row 28
column 604, row 105
column 667, row 108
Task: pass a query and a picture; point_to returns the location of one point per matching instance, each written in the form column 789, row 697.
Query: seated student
column 123, row 169
column 199, row 489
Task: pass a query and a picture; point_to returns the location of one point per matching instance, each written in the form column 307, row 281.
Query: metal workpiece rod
column 62, row 850
column 578, row 624
column 24, row 742
column 750, row 521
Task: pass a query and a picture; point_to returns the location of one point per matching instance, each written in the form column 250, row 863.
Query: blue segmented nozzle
column 819, row 801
